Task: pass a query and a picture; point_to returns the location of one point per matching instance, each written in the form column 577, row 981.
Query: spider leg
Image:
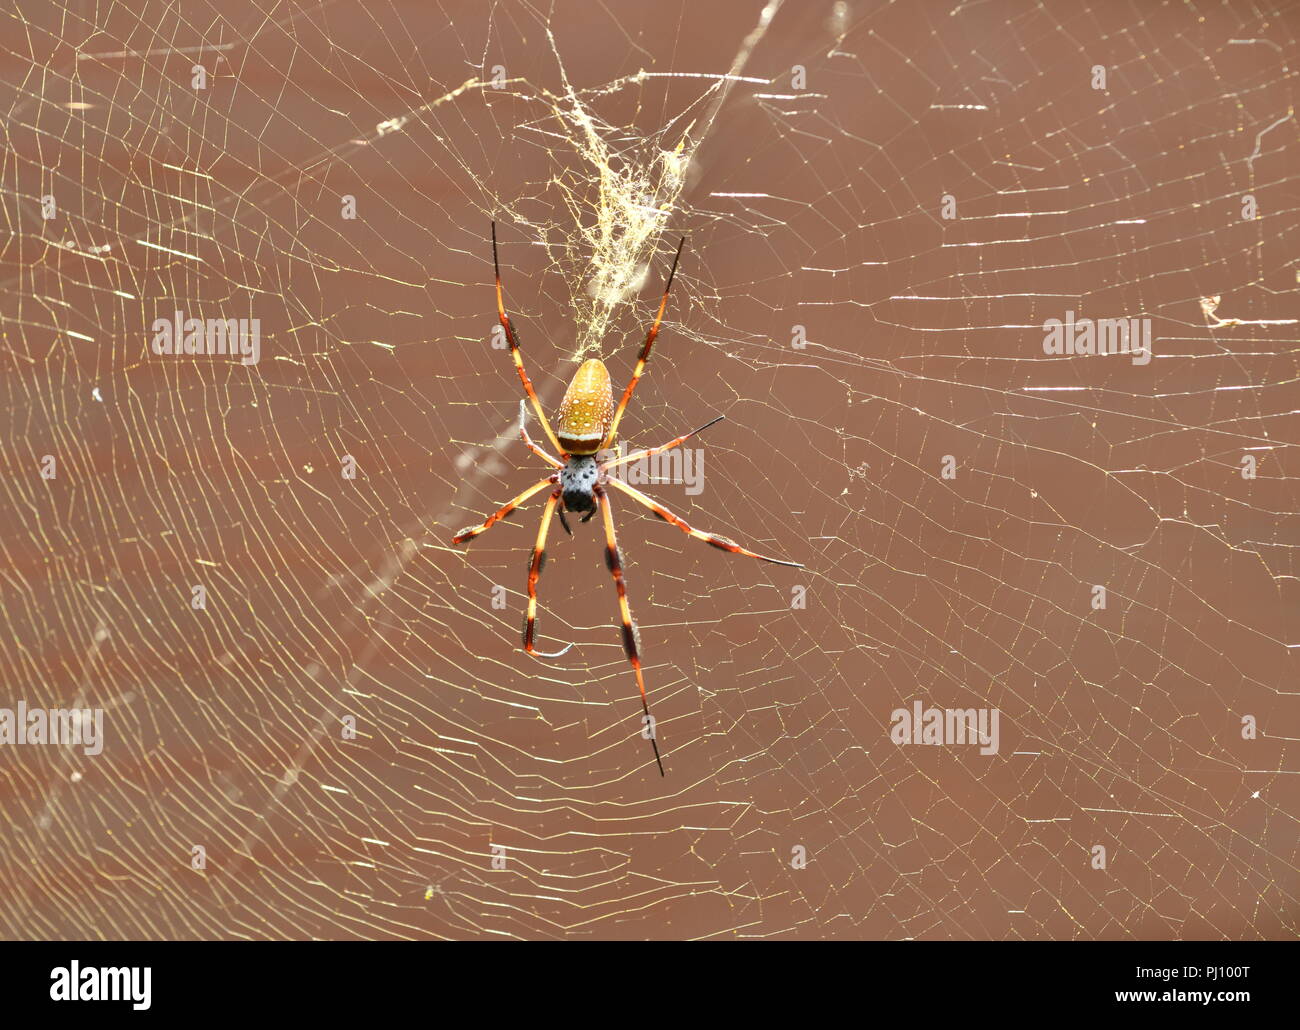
column 528, row 440
column 659, row 450
column 514, row 348
column 534, row 572
column 472, row 531
column 630, row 642
column 645, row 352
column 563, row 521
column 722, row 543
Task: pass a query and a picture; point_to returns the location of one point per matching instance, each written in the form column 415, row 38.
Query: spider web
column 853, row 337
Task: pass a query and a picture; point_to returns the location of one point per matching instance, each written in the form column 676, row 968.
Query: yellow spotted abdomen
column 587, row 408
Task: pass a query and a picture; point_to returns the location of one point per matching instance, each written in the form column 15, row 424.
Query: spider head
column 578, row 481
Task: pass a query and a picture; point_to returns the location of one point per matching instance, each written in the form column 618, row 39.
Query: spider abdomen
column 586, row 411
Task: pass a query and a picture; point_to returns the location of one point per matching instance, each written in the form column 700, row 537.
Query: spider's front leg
column 471, row 532
column 631, row 641
column 534, row 573
column 722, row 543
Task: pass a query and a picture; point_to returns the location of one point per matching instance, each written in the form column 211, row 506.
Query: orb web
column 349, row 730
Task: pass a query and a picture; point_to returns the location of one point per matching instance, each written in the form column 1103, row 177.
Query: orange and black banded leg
column 645, row 352
column 631, row 644
column 534, row 573
column 651, row 452
column 514, row 348
column 722, row 543
column 550, row 459
column 473, row 531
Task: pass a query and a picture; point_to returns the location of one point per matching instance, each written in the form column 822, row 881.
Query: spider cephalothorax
column 578, row 484
column 587, row 423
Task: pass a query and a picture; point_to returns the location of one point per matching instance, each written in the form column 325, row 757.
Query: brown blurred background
column 812, row 198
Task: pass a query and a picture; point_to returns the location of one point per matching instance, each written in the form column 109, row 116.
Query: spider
column 588, row 423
